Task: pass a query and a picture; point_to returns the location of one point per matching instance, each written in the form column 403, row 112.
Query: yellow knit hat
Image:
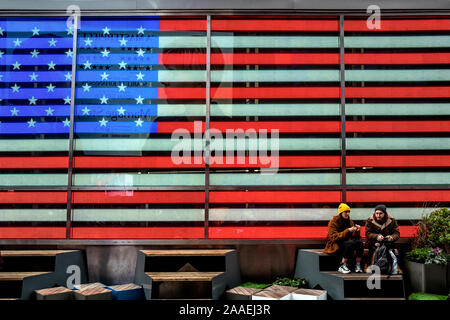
column 343, row 207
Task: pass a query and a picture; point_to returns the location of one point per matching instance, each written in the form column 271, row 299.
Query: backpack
column 383, row 260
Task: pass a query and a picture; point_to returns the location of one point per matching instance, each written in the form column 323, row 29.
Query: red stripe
column 397, row 126
column 182, row 58
column 34, row 162
column 387, row 196
column 275, row 196
column 397, row 92
column 284, row 162
column 400, row 25
column 82, row 197
column 32, row 232
column 304, row 58
column 399, row 161
column 100, row 162
column 282, row 126
column 137, row 233
column 251, row 93
column 398, row 58
column 274, row 25
column 182, row 24
column 249, row 58
column 285, row 232
column 32, row 197
column 134, row 162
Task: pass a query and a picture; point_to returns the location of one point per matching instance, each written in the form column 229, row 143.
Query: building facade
column 211, row 121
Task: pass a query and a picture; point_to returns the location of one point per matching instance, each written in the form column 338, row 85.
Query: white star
column 140, row 76
column 35, row 31
column 66, row 123
column 139, row 122
column 87, row 65
column 122, row 65
column 121, row 87
column 68, row 76
column 69, row 53
column 50, row 87
column 15, row 88
column 17, row 42
column 86, row 111
column 1, row 77
column 123, row 41
column 31, row 123
column 106, row 30
column 67, row 100
column 49, row 111
column 16, row 65
column 69, row 31
column 121, row 111
column 86, row 87
column 105, row 53
column 139, row 100
column 103, row 100
column 14, row 112
column 140, row 52
column 1, row 54
column 34, row 53
column 51, row 65
column 103, row 122
column 33, row 77
column 141, row 30
column 52, row 42
column 104, row 76
column 1, row 31
column 88, row 42
column 32, row 100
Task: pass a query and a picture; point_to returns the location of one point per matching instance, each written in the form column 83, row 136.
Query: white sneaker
column 358, row 268
column 343, row 268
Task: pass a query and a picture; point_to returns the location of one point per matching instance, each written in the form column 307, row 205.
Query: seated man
column 344, row 239
column 381, row 228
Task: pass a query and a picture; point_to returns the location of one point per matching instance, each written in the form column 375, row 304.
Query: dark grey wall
column 360, row 5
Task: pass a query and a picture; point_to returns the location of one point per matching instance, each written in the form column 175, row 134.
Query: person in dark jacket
column 344, row 239
column 381, row 228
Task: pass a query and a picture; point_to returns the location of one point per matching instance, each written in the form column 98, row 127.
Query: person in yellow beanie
column 344, row 238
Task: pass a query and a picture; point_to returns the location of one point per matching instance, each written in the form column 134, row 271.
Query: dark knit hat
column 381, row 207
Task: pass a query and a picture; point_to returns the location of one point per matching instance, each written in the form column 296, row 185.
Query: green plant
column 295, row 282
column 428, row 256
column 418, row 255
column 438, row 226
column 426, row 296
column 255, row 285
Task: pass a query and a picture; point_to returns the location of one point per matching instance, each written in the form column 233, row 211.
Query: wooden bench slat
column 19, row 276
column 183, row 276
column 32, row 253
column 362, row 276
column 186, row 252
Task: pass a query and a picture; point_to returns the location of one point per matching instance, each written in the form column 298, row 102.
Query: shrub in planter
column 438, row 227
column 427, row 270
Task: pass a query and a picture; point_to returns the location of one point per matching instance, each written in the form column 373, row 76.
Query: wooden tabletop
column 183, row 276
column 32, row 253
column 19, row 276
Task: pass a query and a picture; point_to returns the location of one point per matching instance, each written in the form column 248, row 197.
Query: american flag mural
column 138, row 79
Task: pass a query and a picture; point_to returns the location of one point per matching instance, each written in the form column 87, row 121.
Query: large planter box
column 274, row 292
column 241, row 293
column 427, row 278
column 309, row 294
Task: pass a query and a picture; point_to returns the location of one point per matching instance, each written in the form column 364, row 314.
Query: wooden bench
column 19, row 276
column 183, row 276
